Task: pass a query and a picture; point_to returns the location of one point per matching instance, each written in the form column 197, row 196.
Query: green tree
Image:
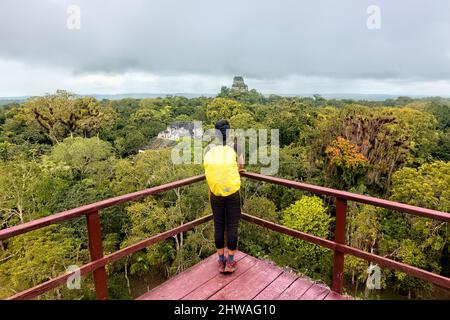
column 84, row 156
column 389, row 138
column 253, row 239
column 425, row 242
column 427, row 186
column 18, row 129
column 308, row 215
column 222, row 108
column 36, row 257
column 292, row 117
column 63, row 114
column 18, row 181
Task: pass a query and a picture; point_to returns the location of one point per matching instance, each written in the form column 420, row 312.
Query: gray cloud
column 259, row 39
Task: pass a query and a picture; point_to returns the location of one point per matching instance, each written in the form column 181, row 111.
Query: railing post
column 96, row 252
column 339, row 237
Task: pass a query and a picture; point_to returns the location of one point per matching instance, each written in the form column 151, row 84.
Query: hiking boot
column 230, row 266
column 221, row 265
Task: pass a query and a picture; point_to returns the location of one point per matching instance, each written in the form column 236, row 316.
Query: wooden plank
column 295, row 290
column 253, row 279
column 249, row 284
column 212, row 286
column 315, row 292
column 187, row 281
column 335, row 296
column 178, row 286
column 280, row 284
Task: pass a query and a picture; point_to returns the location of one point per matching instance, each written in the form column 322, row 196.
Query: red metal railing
column 98, row 261
column 338, row 245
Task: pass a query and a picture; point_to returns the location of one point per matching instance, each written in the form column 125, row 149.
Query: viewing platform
column 254, row 279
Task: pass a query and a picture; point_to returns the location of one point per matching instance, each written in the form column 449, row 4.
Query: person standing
column 222, row 166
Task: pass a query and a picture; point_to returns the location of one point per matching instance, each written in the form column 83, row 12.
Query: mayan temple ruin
column 239, row 84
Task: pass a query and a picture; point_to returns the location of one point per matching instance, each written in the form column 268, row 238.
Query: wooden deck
column 253, row 279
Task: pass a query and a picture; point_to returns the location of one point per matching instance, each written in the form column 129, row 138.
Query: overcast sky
column 197, row 46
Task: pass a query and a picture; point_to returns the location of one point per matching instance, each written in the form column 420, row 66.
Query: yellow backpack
column 221, row 170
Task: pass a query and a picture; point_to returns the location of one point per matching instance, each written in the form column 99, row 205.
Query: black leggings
column 226, row 211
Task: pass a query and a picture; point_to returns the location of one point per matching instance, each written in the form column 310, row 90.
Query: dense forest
column 60, row 151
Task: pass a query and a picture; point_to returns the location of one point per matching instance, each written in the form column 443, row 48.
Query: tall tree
column 63, row 114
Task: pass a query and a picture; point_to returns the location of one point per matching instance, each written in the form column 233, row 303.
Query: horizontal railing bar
column 386, row 262
column 99, row 263
column 397, row 206
column 290, row 232
column 73, row 213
